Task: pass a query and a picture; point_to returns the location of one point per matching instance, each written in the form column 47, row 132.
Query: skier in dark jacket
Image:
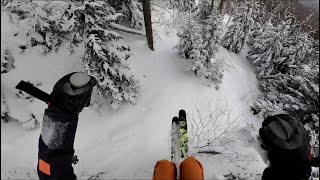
column 287, row 143
column 69, row 96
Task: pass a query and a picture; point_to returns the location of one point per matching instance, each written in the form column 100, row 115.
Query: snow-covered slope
column 126, row 144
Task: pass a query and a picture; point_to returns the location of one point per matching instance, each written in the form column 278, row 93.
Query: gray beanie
column 283, row 131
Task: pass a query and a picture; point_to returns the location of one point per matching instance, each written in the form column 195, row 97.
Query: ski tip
column 175, row 119
column 182, row 114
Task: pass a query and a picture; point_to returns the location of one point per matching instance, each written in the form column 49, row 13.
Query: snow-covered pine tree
column 88, row 22
column 182, row 5
column 267, row 47
column 105, row 56
column 239, row 28
column 260, row 17
column 296, row 95
column 198, row 42
column 212, row 32
column 211, row 35
column 39, row 26
column 309, row 86
column 19, row 9
column 288, row 70
column 289, row 76
column 202, row 10
column 187, row 38
column 299, row 46
column 40, row 21
column 132, row 11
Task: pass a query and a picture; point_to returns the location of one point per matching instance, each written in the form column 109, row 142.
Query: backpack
column 287, row 143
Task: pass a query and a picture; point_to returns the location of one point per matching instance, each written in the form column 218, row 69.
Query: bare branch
column 127, row 30
column 209, row 125
column 162, row 8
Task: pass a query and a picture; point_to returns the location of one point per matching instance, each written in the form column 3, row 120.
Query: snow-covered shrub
column 40, row 22
column 105, row 56
column 31, row 122
column 182, row 5
column 238, row 176
column 19, row 9
column 25, row 96
column 6, row 61
column 239, row 29
column 132, row 11
column 4, row 109
column 23, row 46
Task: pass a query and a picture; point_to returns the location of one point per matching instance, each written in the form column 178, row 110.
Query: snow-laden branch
column 127, row 30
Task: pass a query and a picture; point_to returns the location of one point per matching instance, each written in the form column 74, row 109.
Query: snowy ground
column 127, row 143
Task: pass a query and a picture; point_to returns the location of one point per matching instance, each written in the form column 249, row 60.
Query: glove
column 72, row 93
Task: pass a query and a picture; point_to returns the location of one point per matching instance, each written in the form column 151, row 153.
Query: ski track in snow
column 126, row 144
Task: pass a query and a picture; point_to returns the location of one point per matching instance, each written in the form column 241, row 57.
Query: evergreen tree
column 182, row 5
column 198, row 42
column 89, row 22
column 297, row 95
column 105, row 57
column 40, row 22
column 239, row 29
column 19, row 9
column 266, row 48
column 260, row 18
column 211, row 32
column 132, row 11
column 297, row 49
column 202, row 11
column 288, row 71
column 188, row 36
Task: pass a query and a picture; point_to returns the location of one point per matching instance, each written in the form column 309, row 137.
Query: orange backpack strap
column 44, row 167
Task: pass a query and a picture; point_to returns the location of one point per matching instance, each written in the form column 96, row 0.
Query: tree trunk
column 221, row 6
column 211, row 7
column 147, row 22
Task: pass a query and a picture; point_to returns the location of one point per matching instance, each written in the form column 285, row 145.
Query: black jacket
column 56, row 146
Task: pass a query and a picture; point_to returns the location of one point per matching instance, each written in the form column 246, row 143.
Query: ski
column 183, row 134
column 179, row 138
column 175, row 147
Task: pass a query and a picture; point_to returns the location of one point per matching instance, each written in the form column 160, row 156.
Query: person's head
column 282, row 131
